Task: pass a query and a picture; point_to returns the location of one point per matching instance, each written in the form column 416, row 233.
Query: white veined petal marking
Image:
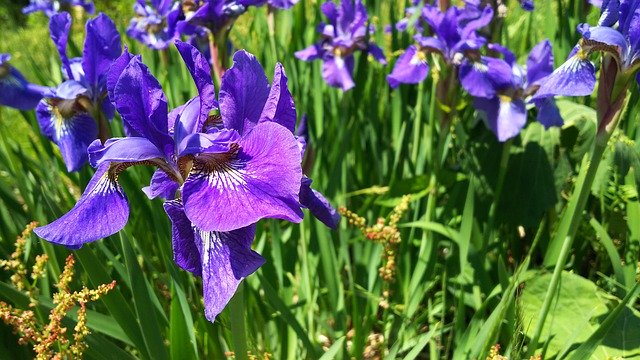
column 223, row 171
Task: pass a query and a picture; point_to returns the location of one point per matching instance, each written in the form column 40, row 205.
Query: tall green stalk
column 569, row 226
column 238, row 325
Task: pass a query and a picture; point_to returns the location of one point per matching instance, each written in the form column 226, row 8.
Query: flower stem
column 417, row 121
column 217, row 57
column 567, row 231
column 238, row 326
column 504, row 162
column 104, row 133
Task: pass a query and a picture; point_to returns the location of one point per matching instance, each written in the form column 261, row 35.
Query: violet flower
column 282, row 4
column 220, row 174
column 457, row 42
column 155, row 23
column 75, row 113
column 620, row 47
column 52, row 7
column 345, row 34
column 215, row 15
column 577, row 75
column 15, row 90
column 506, row 112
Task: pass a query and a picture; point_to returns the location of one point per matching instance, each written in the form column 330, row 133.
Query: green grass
column 477, row 244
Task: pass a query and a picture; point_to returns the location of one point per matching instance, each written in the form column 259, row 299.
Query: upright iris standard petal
column 576, row 77
column 142, row 104
column 279, row 106
column 539, row 62
column 201, row 74
column 71, row 131
column 243, row 93
column 411, row 68
column 101, row 47
column 226, row 259
column 115, row 70
column 261, row 180
column 504, row 116
column 101, row 211
column 186, row 250
column 59, row 26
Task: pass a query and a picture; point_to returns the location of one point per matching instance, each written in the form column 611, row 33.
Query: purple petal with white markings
column 411, row 68
column 261, row 180
column 101, row 211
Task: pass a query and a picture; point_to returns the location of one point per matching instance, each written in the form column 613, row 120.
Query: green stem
column 238, row 326
column 104, row 133
column 504, row 162
column 417, row 121
column 577, row 204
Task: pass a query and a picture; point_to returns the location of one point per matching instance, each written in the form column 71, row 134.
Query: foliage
column 478, row 238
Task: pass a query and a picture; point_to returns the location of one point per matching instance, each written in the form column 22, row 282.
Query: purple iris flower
column 220, row 174
column 75, row 113
column 283, row 4
column 456, row 41
column 345, row 34
column 15, row 90
column 215, row 15
column 577, row 76
column 155, row 23
column 505, row 111
column 51, row 7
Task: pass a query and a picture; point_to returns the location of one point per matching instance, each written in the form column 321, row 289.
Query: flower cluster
column 155, row 23
column 52, row 7
column 617, row 37
column 76, row 112
column 220, row 174
column 346, row 33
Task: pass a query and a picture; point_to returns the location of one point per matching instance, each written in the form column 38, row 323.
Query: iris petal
column 243, row 93
column 226, row 259
column 72, row 135
column 186, row 250
column 279, row 106
column 101, row 47
column 337, row 70
column 261, row 181
column 201, row 74
column 411, row 68
column 318, row 205
column 101, row 211
column 576, row 77
column 161, row 186
column 505, row 117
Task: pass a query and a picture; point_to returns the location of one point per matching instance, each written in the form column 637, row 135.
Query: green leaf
column 576, row 316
